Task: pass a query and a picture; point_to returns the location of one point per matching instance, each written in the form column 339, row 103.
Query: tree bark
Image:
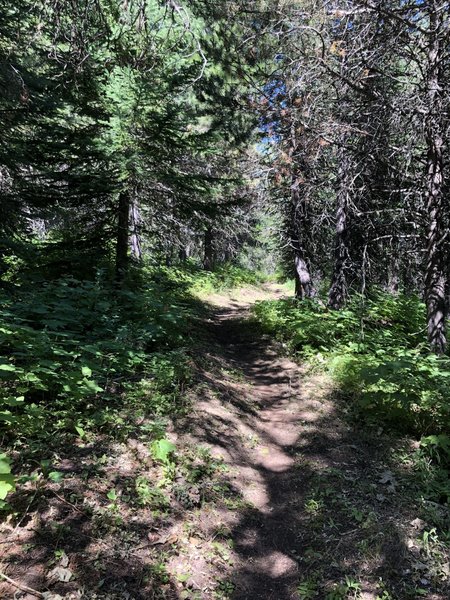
column 209, row 256
column 135, row 236
column 297, row 217
column 122, row 234
column 435, row 277
column 338, row 290
column 393, row 274
column 183, row 254
column 304, row 287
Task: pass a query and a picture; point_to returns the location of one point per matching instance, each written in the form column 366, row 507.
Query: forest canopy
column 156, row 130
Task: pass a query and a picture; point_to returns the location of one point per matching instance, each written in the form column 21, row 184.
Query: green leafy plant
column 377, row 355
column 7, row 480
column 162, row 450
column 307, row 590
column 149, row 495
column 348, row 589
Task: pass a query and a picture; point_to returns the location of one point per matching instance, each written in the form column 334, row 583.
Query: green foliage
column 162, row 449
column 437, row 447
column 341, row 591
column 407, row 388
column 224, row 277
column 77, row 353
column 7, row 482
column 382, row 321
column 82, row 356
column 112, row 495
column 149, row 495
column 376, row 351
column 307, row 589
column 195, row 280
column 310, row 588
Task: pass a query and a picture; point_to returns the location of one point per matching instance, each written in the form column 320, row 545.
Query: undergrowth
column 83, row 357
column 223, row 277
column 375, row 349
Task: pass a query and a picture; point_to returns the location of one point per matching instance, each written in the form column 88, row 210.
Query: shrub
column 68, row 345
column 376, row 350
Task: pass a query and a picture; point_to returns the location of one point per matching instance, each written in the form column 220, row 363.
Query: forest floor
column 270, row 494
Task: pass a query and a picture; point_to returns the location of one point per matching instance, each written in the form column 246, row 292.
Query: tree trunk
column 298, row 217
column 304, row 287
column 209, row 257
column 338, row 290
column 435, row 278
column 393, row 279
column 135, row 236
column 122, row 235
column 183, row 254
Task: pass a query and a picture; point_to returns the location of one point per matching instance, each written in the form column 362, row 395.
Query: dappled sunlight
column 275, row 565
column 239, row 300
column 224, row 300
column 314, row 511
column 271, row 494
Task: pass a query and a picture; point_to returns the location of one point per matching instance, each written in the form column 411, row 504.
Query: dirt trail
column 263, row 424
column 314, row 521
column 288, row 502
column 257, row 425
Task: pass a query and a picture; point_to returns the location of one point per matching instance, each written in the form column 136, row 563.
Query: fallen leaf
column 60, row 574
column 418, row 523
column 194, row 541
column 413, row 547
column 155, row 538
column 171, row 539
column 387, row 477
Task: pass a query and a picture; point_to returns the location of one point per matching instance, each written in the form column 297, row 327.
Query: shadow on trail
column 326, row 514
column 312, row 506
column 107, row 550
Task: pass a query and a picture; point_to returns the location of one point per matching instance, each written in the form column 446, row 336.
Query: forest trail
column 319, row 513
column 270, row 494
column 267, row 410
column 275, row 427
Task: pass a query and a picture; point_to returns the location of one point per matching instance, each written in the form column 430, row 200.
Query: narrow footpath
column 263, row 490
column 321, row 513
